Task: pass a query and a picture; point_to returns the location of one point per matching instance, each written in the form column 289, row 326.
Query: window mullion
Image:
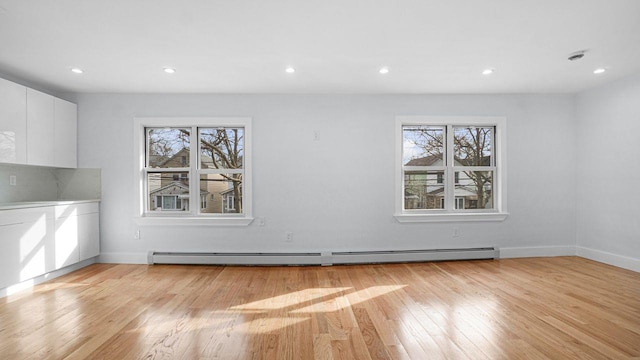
column 450, row 177
column 194, row 176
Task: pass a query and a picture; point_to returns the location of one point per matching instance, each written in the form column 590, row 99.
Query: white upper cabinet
column 13, row 122
column 40, row 128
column 37, row 128
column 66, row 134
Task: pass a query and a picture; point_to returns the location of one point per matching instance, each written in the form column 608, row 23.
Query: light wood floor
column 556, row 308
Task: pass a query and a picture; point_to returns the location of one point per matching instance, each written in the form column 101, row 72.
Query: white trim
column 123, row 258
column 193, row 218
column 537, row 251
column 499, row 192
column 203, row 220
column 620, row 261
column 450, row 217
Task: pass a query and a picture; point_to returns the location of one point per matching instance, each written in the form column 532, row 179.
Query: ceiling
column 336, row 46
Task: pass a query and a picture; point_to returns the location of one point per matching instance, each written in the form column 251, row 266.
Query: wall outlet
column 136, row 235
column 289, row 237
column 12, row 180
column 456, row 232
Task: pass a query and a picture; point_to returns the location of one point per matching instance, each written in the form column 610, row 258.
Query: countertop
column 31, row 204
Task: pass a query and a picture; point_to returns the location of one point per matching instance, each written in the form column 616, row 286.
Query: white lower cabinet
column 77, row 233
column 89, row 239
column 34, row 241
column 27, row 245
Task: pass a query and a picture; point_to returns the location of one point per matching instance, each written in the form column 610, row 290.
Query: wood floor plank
column 533, row 308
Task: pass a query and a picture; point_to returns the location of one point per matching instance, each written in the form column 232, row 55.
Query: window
column 459, row 202
column 168, row 202
column 186, row 161
column 203, row 202
column 229, row 203
column 450, row 168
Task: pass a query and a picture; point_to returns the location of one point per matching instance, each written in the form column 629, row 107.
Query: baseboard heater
column 322, row 258
column 361, row 257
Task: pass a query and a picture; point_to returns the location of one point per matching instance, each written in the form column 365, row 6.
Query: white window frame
column 194, row 216
column 450, row 214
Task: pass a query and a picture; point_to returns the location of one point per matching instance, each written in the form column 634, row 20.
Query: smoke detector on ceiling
column 577, row 55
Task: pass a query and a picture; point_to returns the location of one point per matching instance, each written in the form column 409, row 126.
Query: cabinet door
column 77, row 233
column 66, row 236
column 88, row 236
column 40, row 128
column 10, row 254
column 26, row 244
column 65, row 137
column 13, row 123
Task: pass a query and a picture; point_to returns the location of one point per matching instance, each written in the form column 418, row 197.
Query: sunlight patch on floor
column 290, row 299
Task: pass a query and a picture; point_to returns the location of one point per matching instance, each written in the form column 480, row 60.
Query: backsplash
column 37, row 183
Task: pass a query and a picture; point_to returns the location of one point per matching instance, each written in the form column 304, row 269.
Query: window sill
column 458, row 217
column 192, row 221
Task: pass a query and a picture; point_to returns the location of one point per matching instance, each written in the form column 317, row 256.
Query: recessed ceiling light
column 290, row 70
column 487, row 71
column 384, row 70
column 599, row 71
column 169, row 70
column 77, row 70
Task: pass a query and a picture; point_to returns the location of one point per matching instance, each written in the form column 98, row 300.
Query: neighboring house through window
column 450, row 168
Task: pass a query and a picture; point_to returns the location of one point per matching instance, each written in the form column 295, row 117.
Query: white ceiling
column 336, row 46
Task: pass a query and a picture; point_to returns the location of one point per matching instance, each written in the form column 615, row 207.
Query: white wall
column 608, row 173
column 338, row 193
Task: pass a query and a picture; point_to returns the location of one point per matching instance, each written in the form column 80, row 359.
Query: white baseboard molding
column 620, row 261
column 123, row 258
column 537, row 251
column 28, row 284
